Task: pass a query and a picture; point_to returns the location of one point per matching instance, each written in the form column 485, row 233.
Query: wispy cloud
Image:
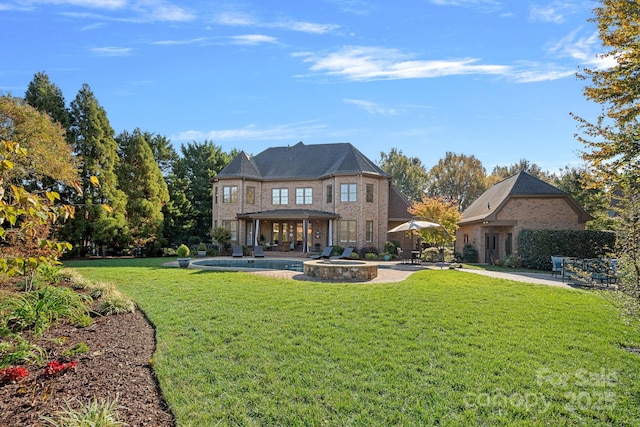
column 584, row 50
column 554, row 12
column 93, row 4
column 241, row 19
column 253, row 39
column 293, row 132
column 357, row 63
column 487, row 5
column 374, row 63
column 136, row 11
column 371, row 107
column 180, row 42
column 112, row 51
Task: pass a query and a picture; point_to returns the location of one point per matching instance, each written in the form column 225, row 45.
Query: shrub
column 371, row 255
column 510, row 261
column 115, row 304
column 337, row 250
column 431, row 254
column 193, row 241
column 537, row 246
column 96, row 413
column 368, row 250
column 202, row 247
column 469, row 253
column 80, row 348
column 183, row 251
column 391, row 247
column 16, row 349
column 38, row 310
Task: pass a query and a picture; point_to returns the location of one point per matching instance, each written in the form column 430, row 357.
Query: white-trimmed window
column 369, row 231
column 347, row 231
column 232, row 226
column 348, row 192
column 229, row 194
column 251, row 195
column 280, row 196
column 304, row 196
column 369, row 193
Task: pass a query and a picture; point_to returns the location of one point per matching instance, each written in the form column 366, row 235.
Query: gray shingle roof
column 521, row 184
column 302, row 162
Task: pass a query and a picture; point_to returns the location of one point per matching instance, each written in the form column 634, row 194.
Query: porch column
column 305, row 232
column 330, row 237
column 256, row 233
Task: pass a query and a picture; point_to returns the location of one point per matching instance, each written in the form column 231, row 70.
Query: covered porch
column 288, row 230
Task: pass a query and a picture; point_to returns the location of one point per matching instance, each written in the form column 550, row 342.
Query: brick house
column 494, row 220
column 305, row 197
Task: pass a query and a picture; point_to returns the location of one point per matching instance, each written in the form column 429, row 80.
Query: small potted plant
column 183, row 256
column 202, row 250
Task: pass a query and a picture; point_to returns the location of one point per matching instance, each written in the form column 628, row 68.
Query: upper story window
column 280, row 196
column 215, row 195
column 251, row 195
column 330, row 193
column 370, row 193
column 304, row 196
column 230, row 194
column 348, row 192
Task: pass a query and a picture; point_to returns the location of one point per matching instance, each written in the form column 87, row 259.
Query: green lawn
column 441, row 348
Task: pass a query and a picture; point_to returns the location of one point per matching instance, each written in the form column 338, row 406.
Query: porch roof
column 288, row 214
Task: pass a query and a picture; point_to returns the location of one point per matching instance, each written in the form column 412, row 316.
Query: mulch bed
column 118, row 365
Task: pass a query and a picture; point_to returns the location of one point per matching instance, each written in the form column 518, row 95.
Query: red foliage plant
column 55, row 367
column 13, row 374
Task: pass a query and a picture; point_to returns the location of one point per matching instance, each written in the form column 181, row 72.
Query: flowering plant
column 55, row 367
column 13, row 374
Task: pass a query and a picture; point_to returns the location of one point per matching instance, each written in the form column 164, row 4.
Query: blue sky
column 489, row 78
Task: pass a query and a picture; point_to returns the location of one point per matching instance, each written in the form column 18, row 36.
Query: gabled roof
column 398, row 205
column 522, row 184
column 302, row 162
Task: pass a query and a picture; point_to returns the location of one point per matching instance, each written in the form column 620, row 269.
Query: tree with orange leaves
column 437, row 209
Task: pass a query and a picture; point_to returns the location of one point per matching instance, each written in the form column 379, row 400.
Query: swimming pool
column 271, row 264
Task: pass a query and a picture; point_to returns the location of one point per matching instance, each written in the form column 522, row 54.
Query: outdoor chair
column 346, row 254
column 326, row 253
column 237, row 251
column 556, row 266
column 258, row 251
column 405, row 256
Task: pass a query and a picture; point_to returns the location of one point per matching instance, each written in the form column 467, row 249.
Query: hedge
column 536, row 247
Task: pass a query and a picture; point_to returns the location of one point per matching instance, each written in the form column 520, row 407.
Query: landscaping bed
column 117, row 365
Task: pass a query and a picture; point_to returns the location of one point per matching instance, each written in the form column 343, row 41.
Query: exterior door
column 491, row 247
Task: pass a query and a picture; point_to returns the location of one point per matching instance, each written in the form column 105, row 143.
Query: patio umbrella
column 414, row 224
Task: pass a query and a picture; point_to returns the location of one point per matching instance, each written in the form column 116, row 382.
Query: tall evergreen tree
column 100, row 218
column 47, row 97
column 163, row 151
column 140, row 178
column 200, row 162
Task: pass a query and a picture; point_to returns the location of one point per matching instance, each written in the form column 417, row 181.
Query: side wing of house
column 494, row 221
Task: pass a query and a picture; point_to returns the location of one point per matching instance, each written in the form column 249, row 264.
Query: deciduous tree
column 457, row 178
column 407, row 173
column 612, row 142
column 441, row 211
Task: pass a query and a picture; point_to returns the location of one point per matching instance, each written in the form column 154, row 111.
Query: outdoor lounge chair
column 326, row 253
column 237, row 251
column 258, row 251
column 346, row 254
